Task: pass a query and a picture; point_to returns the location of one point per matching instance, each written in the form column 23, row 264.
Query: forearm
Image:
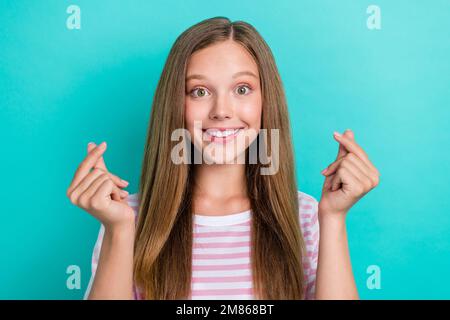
column 334, row 278
column 114, row 276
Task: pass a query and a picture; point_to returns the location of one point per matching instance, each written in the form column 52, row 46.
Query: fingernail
column 323, row 171
column 337, row 134
column 102, row 145
column 124, row 181
column 90, row 143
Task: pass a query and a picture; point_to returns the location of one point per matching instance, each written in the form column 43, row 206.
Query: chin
column 227, row 158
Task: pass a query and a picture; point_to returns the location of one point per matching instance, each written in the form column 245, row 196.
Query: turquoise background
column 61, row 88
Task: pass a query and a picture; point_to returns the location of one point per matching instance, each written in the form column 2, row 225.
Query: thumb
column 100, row 164
column 342, row 150
column 350, row 134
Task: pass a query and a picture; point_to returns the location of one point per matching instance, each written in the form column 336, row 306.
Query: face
column 223, row 101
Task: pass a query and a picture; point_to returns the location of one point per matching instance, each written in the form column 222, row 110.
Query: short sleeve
column 133, row 202
column 309, row 223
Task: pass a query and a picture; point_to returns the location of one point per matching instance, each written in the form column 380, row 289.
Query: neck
column 220, row 181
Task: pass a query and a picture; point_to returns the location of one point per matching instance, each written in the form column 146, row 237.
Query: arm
column 334, row 279
column 98, row 192
column 348, row 179
column 114, row 274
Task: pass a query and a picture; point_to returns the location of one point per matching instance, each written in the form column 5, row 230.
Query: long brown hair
column 163, row 244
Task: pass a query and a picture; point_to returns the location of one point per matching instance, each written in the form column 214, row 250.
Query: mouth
column 221, row 135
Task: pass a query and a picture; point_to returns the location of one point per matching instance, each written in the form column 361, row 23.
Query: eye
column 201, row 92
column 242, row 91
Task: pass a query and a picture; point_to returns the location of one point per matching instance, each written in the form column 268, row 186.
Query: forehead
column 223, row 58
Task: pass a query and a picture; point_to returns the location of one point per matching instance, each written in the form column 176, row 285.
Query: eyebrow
column 237, row 74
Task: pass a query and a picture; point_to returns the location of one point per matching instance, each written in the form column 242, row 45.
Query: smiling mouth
column 221, row 135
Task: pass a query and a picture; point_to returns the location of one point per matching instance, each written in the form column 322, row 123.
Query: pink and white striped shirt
column 221, row 266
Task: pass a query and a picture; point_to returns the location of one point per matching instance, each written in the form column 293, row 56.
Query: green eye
column 200, row 92
column 242, row 90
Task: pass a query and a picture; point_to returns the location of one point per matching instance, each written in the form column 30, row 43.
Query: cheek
column 193, row 113
column 250, row 112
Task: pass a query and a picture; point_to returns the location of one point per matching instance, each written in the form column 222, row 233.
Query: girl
column 217, row 229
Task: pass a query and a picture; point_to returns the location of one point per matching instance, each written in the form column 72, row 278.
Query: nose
column 222, row 109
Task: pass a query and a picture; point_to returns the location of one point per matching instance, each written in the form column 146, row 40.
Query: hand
column 98, row 191
column 348, row 178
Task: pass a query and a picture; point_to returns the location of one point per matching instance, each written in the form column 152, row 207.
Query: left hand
column 348, row 178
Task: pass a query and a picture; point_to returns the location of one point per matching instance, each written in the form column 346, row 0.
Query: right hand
column 98, row 192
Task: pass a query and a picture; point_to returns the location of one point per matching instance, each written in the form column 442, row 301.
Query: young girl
column 217, row 229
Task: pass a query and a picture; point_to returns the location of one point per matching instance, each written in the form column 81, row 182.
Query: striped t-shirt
column 221, row 266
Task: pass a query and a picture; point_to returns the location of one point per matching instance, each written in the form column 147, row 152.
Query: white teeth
column 221, row 134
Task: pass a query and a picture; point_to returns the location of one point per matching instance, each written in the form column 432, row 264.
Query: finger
column 118, row 181
column 369, row 173
column 335, row 183
column 327, row 182
column 100, row 162
column 342, row 152
column 85, row 184
column 87, row 181
column 107, row 189
column 369, row 179
column 102, row 195
column 352, row 146
column 85, row 198
column 124, row 193
column 360, row 177
column 86, row 165
column 349, row 134
column 101, row 165
column 345, row 180
column 355, row 160
column 119, row 192
column 115, row 192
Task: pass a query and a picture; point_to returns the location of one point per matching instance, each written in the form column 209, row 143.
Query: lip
column 226, row 139
column 223, row 128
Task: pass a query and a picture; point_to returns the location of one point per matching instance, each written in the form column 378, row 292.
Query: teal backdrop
column 61, row 88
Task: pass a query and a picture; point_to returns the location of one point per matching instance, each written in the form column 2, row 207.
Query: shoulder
column 306, row 199
column 307, row 203
column 308, row 213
